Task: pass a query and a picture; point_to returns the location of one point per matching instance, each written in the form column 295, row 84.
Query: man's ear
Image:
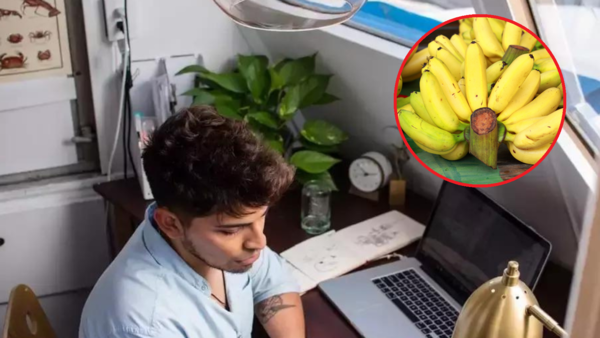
column 168, row 223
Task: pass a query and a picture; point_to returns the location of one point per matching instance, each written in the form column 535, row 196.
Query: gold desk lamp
column 504, row 307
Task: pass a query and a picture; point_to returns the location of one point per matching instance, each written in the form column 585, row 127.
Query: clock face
column 365, row 175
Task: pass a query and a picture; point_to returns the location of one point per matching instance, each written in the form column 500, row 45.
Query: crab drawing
column 40, row 35
column 37, row 4
column 15, row 38
column 8, row 12
column 46, row 55
column 12, row 62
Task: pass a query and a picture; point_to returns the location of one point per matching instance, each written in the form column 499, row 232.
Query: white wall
column 178, row 30
column 551, row 198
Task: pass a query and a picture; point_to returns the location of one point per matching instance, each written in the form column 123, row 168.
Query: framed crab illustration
column 36, row 42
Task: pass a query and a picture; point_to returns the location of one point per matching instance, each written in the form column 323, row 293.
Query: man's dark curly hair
column 199, row 163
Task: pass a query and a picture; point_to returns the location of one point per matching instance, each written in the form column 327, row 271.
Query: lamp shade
column 289, row 15
column 504, row 307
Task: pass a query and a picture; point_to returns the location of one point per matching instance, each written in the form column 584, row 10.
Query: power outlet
column 112, row 17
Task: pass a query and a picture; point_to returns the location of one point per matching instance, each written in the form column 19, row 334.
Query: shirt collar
column 165, row 256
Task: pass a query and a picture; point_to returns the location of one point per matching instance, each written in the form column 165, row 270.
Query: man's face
column 225, row 242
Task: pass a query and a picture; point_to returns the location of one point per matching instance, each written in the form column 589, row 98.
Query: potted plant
column 268, row 96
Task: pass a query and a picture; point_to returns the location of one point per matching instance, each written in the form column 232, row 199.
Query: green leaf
column 254, row 70
column 316, row 147
column 326, row 99
column 203, row 97
column 276, row 81
column 313, row 162
column 234, row 82
column 276, row 144
column 323, row 133
column 229, row 109
column 265, row 119
column 192, row 69
column 324, row 177
column 292, row 72
column 291, row 101
column 313, row 89
column 402, row 101
column 281, row 63
column 194, row 92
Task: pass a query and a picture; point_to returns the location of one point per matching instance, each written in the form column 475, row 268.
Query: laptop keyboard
column 419, row 302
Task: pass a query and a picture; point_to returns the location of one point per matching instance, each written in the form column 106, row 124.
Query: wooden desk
column 283, row 231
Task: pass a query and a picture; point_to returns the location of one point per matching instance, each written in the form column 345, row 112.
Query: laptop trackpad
column 384, row 320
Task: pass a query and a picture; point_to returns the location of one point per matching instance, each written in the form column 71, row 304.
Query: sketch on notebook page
column 378, row 236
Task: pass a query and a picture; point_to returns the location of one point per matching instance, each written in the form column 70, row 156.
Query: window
column 405, row 22
column 570, row 28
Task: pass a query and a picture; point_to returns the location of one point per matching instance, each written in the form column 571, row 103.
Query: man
column 198, row 266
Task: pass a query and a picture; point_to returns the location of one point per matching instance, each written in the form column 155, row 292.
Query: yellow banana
column 511, row 36
column 497, row 27
column 475, row 77
column 561, row 104
column 469, row 35
column 461, row 150
column 459, row 44
column 451, row 62
column 425, row 67
column 516, row 128
column 493, row 72
column 416, row 101
column 549, row 79
column 560, row 87
column 486, row 38
column 463, row 27
column 414, row 65
column 507, row 86
column 462, row 71
column 527, row 40
column 450, row 88
column 409, row 56
column 545, row 65
column 540, row 54
column 436, row 104
column 432, row 151
column 469, row 21
column 412, row 77
column 542, row 105
column 528, row 156
column 434, row 47
column 444, row 41
column 539, row 133
column 407, row 107
column 425, row 133
column 461, row 85
column 524, row 95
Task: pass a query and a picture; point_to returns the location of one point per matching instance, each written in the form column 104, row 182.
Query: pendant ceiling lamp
column 289, row 15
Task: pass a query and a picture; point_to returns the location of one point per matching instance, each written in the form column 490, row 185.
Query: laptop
column 468, row 240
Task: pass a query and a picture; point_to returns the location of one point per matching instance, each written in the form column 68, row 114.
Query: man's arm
column 282, row 316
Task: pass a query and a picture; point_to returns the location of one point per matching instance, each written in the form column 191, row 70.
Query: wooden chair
column 25, row 317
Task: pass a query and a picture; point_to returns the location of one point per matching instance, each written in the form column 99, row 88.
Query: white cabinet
column 52, row 249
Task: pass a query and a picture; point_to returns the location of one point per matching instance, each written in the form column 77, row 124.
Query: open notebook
column 335, row 253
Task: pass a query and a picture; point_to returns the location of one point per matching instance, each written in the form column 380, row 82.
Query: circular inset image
column 480, row 104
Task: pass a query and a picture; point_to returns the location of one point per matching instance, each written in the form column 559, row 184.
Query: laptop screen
column 470, row 239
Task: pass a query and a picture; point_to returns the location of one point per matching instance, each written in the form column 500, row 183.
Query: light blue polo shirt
column 149, row 291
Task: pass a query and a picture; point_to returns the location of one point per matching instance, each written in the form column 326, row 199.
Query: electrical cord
column 125, row 111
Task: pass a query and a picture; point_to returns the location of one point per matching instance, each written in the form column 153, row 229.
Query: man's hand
column 282, row 316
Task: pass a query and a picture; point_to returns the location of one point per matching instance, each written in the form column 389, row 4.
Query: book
column 335, row 253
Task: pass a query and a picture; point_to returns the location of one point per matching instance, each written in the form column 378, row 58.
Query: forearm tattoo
column 269, row 308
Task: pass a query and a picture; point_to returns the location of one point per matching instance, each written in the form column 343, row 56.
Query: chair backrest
column 25, row 317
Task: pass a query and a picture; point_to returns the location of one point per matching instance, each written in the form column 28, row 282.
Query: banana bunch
column 476, row 69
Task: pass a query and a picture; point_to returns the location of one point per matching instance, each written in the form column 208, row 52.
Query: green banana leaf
column 466, row 170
